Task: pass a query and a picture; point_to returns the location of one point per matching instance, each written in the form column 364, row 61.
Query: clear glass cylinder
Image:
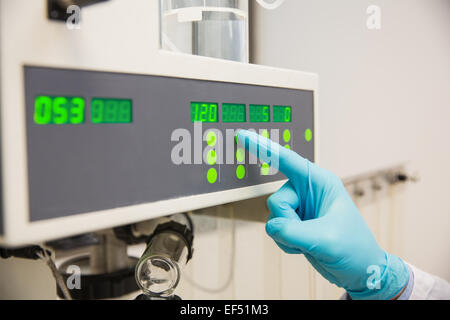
column 158, row 270
column 212, row 28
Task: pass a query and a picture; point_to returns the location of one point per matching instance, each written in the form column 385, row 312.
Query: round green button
column 287, row 135
column 288, row 147
column 308, row 135
column 211, row 157
column 265, row 134
column 240, row 155
column 212, row 175
column 240, row 172
column 265, row 169
column 211, row 139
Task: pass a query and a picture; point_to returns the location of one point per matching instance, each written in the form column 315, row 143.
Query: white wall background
column 385, row 98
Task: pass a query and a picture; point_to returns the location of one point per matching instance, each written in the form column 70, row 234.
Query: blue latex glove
column 312, row 214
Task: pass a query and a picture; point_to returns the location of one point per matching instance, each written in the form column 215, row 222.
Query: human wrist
column 407, row 292
column 389, row 285
column 400, row 293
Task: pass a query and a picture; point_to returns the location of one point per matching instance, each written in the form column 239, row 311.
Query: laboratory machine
column 101, row 124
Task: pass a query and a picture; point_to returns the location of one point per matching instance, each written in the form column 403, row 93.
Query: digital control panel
column 98, row 140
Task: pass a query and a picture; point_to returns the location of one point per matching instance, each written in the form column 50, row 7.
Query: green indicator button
column 212, row 157
column 265, row 169
column 240, row 172
column 265, row 134
column 287, row 135
column 212, row 175
column 240, row 155
column 308, row 135
column 211, row 139
column 288, row 147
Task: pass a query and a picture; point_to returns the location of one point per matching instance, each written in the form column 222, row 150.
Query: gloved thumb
column 294, row 233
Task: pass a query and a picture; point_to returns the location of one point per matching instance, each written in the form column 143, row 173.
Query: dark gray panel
column 77, row 169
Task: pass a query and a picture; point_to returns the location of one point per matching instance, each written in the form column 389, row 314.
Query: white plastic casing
column 115, row 36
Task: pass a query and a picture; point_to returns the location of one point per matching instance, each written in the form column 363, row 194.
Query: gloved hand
column 312, row 214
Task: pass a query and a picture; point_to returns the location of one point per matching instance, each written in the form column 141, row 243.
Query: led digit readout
column 259, row 113
column 111, row 110
column 59, row 110
column 204, row 112
column 282, row 114
column 233, row 113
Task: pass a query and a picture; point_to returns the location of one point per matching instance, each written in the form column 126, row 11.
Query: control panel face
column 99, row 141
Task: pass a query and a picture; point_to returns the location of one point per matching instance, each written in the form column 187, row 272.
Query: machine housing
column 60, row 180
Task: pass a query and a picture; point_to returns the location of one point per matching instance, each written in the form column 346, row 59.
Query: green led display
column 58, row 110
column 282, row 114
column 259, row 113
column 204, row 112
column 111, row 110
column 233, row 113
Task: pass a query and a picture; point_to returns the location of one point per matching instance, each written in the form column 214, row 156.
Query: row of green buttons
column 265, row 168
column 240, row 157
column 211, row 139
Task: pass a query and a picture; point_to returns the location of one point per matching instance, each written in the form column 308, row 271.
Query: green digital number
column 212, row 117
column 194, row 112
column 58, row 110
column 288, row 115
column 266, row 114
column 60, row 114
column 204, row 112
column 77, row 111
column 259, row 113
column 43, row 110
column 282, row 114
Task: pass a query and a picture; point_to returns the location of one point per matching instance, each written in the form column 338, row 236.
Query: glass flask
column 212, row 28
column 168, row 250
